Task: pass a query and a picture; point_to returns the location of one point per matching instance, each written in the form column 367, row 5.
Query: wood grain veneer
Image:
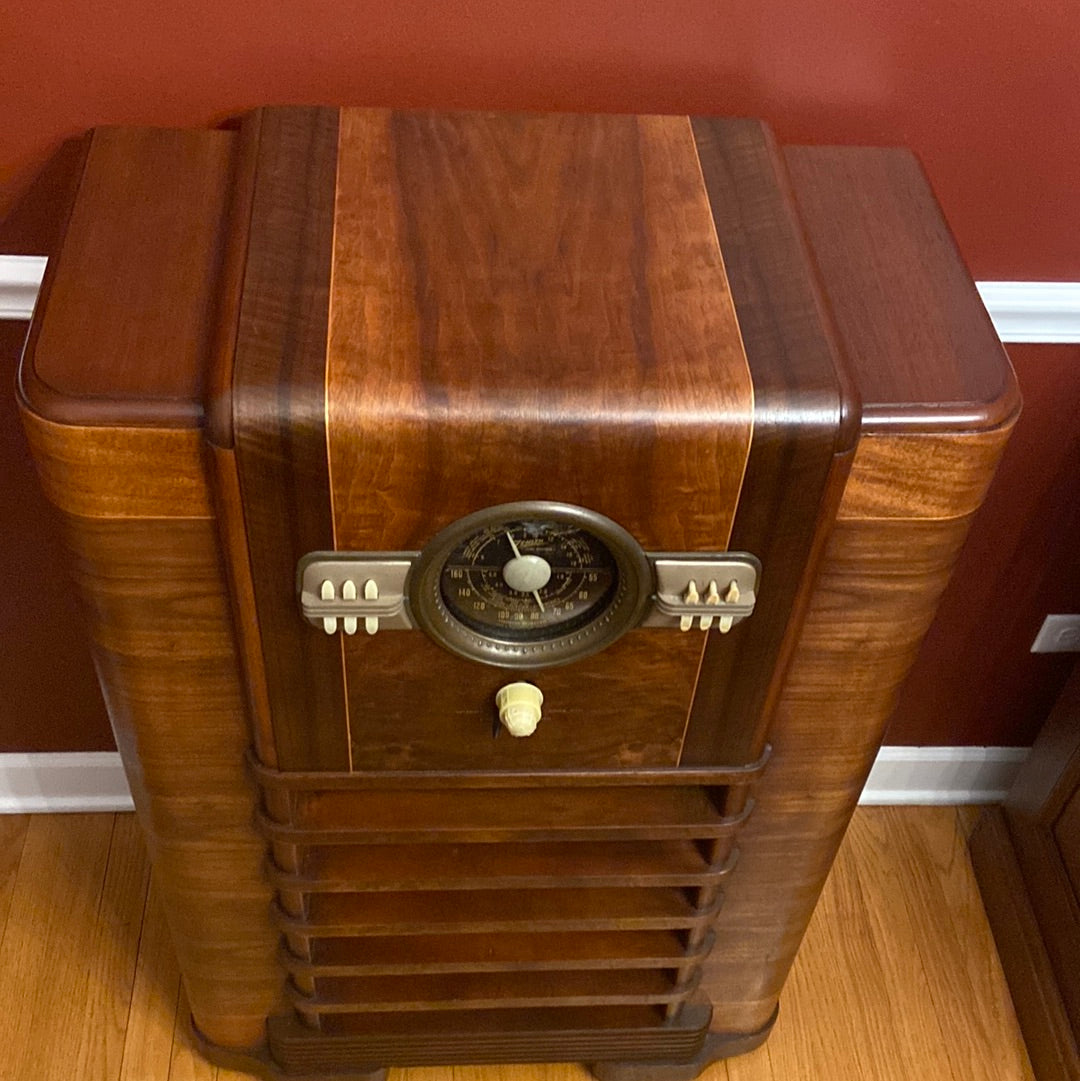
column 898, row 288
column 165, row 652
column 333, row 254
column 139, row 520
column 491, row 303
column 504, row 285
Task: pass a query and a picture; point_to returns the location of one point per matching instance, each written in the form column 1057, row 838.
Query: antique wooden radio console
column 503, row 538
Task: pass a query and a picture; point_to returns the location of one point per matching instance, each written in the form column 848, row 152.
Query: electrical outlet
column 1058, row 634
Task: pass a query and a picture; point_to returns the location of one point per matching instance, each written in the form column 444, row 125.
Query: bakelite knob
column 519, row 708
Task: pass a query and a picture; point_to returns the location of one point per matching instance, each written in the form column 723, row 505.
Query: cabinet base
column 676, row 1052
column 718, row 1045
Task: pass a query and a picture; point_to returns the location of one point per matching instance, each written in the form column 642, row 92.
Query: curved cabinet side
column 872, row 604
column 162, row 640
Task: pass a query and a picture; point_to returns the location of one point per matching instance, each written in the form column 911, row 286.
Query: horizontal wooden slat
column 491, row 991
column 445, row 779
column 429, row 912
column 525, row 951
column 581, row 864
column 555, row 814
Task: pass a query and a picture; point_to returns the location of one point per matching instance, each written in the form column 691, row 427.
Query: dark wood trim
column 218, row 406
column 442, row 779
column 552, row 1035
column 806, row 421
column 280, row 428
column 1040, row 1009
column 1025, row 856
column 718, row 1045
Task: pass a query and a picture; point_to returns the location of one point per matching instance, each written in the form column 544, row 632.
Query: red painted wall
column 986, row 91
column 976, row 680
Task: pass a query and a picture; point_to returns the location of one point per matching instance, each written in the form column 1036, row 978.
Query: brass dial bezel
column 624, row 610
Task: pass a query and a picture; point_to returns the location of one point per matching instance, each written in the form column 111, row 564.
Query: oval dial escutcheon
column 528, row 578
column 530, row 584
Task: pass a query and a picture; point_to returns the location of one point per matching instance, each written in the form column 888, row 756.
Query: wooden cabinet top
column 607, row 264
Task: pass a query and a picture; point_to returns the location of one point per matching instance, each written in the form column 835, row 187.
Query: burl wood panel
column 527, row 307
column 517, row 302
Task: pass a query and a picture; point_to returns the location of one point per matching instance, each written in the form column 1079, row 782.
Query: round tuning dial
column 530, row 584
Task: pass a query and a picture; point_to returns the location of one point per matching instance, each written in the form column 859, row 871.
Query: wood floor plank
column 897, row 978
column 113, row 951
column 56, row 960
column 966, row 818
column 12, row 838
column 884, row 884
column 838, row 1014
column 754, row 1066
column 154, row 1000
column 967, row 985
column 186, row 1063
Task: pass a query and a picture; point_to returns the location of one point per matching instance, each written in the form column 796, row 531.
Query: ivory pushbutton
column 519, row 708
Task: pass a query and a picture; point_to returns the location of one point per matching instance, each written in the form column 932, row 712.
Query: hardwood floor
column 897, row 978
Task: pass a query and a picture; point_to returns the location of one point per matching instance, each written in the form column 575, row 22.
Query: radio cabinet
column 502, row 374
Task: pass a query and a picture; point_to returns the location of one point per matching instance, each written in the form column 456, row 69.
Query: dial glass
column 527, row 580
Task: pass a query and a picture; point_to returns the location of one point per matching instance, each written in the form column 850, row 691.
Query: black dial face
column 529, row 584
column 528, row 580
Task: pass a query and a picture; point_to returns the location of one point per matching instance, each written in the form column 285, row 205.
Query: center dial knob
column 527, row 573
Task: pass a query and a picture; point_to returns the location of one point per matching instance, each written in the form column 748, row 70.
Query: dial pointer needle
column 517, row 555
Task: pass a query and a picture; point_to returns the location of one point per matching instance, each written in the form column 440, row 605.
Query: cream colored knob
column 519, row 708
column 526, row 573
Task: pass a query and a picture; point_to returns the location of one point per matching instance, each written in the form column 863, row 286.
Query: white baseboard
column 923, row 775
column 20, row 280
column 1033, row 311
column 1021, row 311
column 79, row 781
column 94, row 781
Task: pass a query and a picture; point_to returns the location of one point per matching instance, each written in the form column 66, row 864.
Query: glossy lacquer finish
column 402, row 318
